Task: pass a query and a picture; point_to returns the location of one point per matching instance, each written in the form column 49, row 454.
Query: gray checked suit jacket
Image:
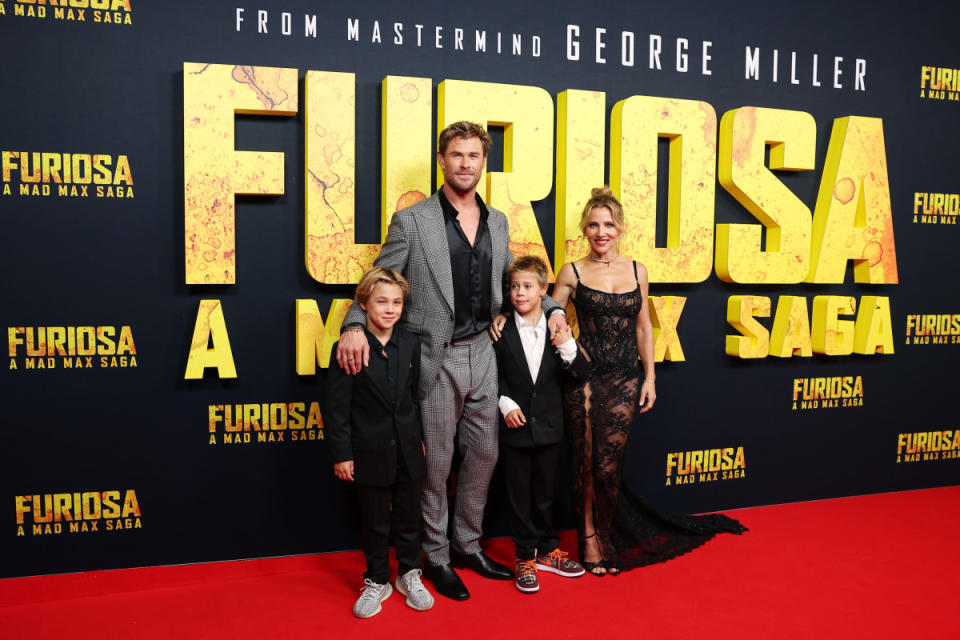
column 416, row 246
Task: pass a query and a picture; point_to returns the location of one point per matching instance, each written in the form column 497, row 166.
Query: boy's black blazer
column 542, row 400
column 361, row 425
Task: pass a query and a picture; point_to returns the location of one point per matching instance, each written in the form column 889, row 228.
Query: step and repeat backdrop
column 190, row 191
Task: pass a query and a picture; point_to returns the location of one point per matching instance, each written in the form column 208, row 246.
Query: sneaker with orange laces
column 558, row 562
column 527, row 576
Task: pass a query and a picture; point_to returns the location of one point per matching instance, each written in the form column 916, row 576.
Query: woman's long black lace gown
column 600, row 411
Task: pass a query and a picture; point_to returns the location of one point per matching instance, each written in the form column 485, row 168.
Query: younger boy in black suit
column 531, row 425
column 373, row 428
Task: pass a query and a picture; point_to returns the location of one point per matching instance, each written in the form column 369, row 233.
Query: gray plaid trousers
column 462, row 403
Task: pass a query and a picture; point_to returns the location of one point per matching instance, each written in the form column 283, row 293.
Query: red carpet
column 879, row 566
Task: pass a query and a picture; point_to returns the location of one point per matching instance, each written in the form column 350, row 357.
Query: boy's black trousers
column 377, row 516
column 530, row 474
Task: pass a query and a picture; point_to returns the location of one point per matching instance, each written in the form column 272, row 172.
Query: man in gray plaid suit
column 454, row 252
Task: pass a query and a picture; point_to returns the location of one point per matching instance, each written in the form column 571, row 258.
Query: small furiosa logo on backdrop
column 67, row 175
column 936, row 208
column 928, row 445
column 827, row 393
column 68, row 347
column 706, row 465
column 77, row 512
column 933, row 328
column 264, row 423
column 940, row 83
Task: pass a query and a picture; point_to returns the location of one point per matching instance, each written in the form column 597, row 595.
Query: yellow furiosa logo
column 75, row 175
column 933, row 328
column 827, row 393
column 78, row 512
column 264, row 423
column 707, row 465
column 936, row 208
column 850, row 224
column 928, row 445
column 940, row 83
column 104, row 347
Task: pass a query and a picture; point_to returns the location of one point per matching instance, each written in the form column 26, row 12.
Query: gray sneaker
column 409, row 585
column 368, row 604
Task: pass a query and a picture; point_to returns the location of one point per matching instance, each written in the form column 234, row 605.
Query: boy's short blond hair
column 532, row 264
column 375, row 276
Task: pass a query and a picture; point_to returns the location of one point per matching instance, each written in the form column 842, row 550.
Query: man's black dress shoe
column 447, row 582
column 482, row 564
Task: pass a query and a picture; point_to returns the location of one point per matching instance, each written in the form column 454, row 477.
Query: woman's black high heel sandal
column 592, row 566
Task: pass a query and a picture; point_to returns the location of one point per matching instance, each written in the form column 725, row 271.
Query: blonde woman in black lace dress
column 617, row 531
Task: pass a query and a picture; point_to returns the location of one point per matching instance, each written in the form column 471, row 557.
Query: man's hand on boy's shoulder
column 353, row 351
column 496, row 327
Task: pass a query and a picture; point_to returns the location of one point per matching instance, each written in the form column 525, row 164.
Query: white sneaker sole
column 566, row 574
column 526, row 589
column 386, row 594
column 410, row 603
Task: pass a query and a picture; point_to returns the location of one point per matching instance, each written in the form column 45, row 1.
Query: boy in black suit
column 531, row 424
column 373, row 428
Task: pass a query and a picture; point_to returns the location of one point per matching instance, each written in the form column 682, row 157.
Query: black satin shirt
column 386, row 358
column 472, row 267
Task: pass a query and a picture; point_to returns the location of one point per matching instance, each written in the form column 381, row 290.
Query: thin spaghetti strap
column 635, row 276
column 575, row 272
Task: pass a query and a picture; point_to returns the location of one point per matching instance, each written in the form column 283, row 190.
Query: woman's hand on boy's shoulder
column 557, row 322
column 515, row 419
column 561, row 335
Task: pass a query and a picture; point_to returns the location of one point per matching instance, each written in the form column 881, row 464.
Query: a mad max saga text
column 95, row 11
